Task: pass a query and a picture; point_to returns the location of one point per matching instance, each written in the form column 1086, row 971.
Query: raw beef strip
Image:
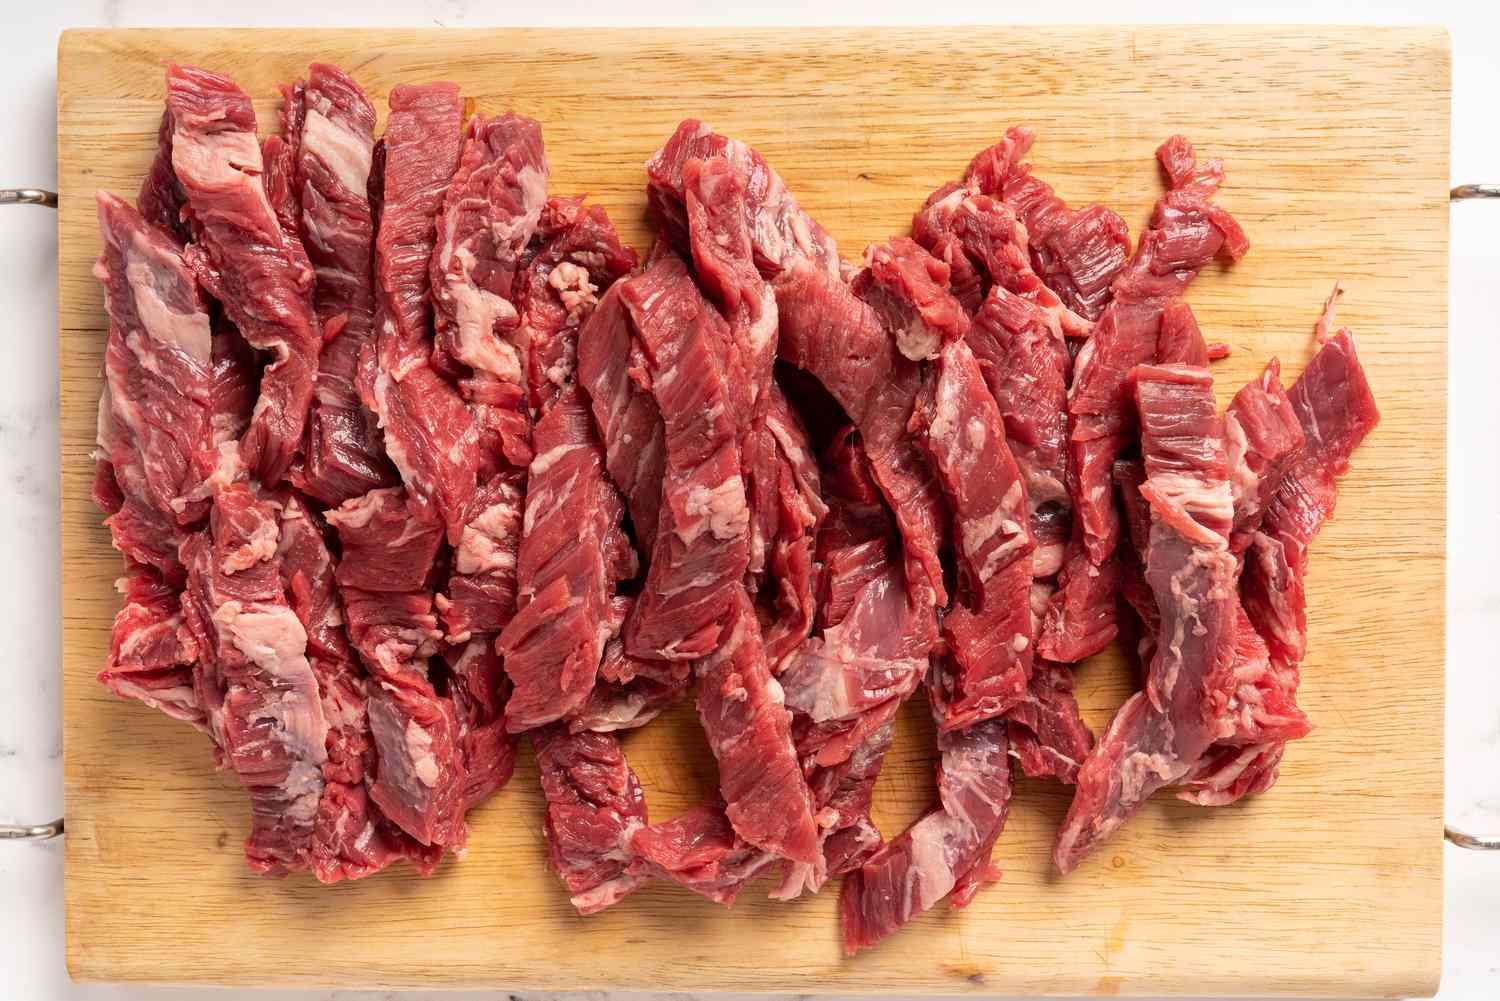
column 161, row 197
column 1078, row 253
column 839, row 339
column 845, row 684
column 781, row 233
column 700, row 554
column 1026, row 365
column 152, row 652
column 909, row 289
column 1047, row 735
column 481, row 594
column 429, row 434
column 245, row 258
column 279, row 155
column 254, row 681
column 1336, row 409
column 945, row 852
column 480, row 689
column 345, row 457
column 553, row 645
column 156, row 411
column 351, row 837
column 701, row 851
column 488, row 217
column 1179, row 341
column 579, row 258
column 719, row 216
column 1187, row 230
column 612, row 368
column 385, row 547
column 420, row 779
column 749, row 731
column 988, row 627
column 1262, row 437
column 799, row 512
column 594, row 809
column 1160, row 734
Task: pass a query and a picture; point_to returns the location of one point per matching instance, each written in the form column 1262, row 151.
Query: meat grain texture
column 412, row 463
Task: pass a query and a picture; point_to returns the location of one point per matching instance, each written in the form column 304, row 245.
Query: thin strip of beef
column 749, row 730
column 344, row 454
column 152, row 652
column 1161, row 733
column 612, row 368
column 279, row 154
column 790, row 607
column 594, row 809
column 161, row 196
column 480, row 689
column 781, row 233
column 699, row 850
column 1078, row 253
column 944, row 853
column 1187, row 231
column 988, row 627
column 351, row 837
column 156, row 411
column 553, row 645
column 1262, row 438
column 245, row 258
column 385, row 581
column 489, row 214
column 1336, row 409
column 254, row 681
column 580, row 256
column 839, row 339
column 700, row 554
column 429, row 434
column 481, row 596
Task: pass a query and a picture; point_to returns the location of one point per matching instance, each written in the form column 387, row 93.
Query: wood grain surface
column 1336, row 143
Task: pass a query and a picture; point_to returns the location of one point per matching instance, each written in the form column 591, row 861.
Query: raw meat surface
column 1160, row 734
column 245, row 258
column 700, row 851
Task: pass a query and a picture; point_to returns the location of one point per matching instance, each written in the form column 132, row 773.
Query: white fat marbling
column 31, row 919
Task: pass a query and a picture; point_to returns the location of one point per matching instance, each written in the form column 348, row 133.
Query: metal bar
column 1466, row 191
column 28, row 196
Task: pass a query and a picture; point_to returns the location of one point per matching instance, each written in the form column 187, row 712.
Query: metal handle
column 1465, row 192
column 29, row 832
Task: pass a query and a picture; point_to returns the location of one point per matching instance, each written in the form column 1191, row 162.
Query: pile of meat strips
column 408, row 458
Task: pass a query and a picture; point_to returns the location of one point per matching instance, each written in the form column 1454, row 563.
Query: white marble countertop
column 31, row 918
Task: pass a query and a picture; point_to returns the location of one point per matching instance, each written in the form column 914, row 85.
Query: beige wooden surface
column 1336, row 142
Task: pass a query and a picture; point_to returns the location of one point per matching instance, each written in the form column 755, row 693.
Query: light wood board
column 1336, row 142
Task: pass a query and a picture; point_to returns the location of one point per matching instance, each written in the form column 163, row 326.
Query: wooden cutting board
column 1336, row 142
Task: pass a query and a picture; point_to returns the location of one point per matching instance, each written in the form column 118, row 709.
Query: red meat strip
column 612, row 369
column 429, row 434
column 161, row 197
column 1336, row 409
column 1078, row 253
column 489, row 215
column 781, row 233
column 254, row 681
column 480, row 689
column 244, row 256
column 944, row 853
column 988, row 627
column 1161, row 734
column 594, row 810
column 351, row 837
column 579, row 258
column 481, row 594
column 909, row 289
column 700, row 851
column 1187, row 230
column 279, row 155
column 1262, row 437
column 152, row 652
column 385, row 580
column 344, row 454
column 700, row 554
column 553, row 645
column 839, row 339
column 1047, row 735
column 156, row 413
column 799, row 511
